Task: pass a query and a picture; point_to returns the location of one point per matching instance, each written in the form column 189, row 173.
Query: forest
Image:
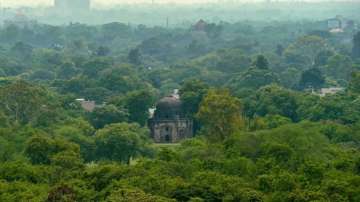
column 275, row 104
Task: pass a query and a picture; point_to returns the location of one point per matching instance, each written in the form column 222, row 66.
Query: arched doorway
column 166, row 136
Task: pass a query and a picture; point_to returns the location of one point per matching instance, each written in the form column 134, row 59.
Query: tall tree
column 192, row 93
column 354, row 85
column 221, row 114
column 138, row 103
column 279, row 50
column 134, row 56
column 23, row 102
column 120, row 142
column 305, row 49
column 356, row 46
column 261, row 62
column 107, row 114
column 312, row 78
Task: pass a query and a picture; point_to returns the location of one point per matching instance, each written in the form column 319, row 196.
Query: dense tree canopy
column 275, row 108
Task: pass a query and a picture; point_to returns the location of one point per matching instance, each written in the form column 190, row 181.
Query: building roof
column 169, row 102
column 169, row 108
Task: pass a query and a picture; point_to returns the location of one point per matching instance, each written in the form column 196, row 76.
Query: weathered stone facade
column 169, row 125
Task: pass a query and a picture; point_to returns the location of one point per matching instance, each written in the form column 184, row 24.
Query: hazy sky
column 108, row 2
column 103, row 2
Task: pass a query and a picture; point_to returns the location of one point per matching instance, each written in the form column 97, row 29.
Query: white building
column 330, row 91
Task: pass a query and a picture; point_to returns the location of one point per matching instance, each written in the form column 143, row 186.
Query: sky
column 7, row 3
column 102, row 2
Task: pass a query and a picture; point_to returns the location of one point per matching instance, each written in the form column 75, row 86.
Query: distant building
column 336, row 30
column 339, row 24
column 330, row 91
column 72, row 5
column 87, row 105
column 335, row 23
column 169, row 124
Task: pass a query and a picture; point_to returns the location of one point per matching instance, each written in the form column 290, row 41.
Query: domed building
column 169, row 124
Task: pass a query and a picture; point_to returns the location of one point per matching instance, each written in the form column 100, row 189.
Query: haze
column 12, row 3
column 100, row 2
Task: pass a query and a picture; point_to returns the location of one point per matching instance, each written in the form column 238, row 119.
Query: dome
column 168, row 107
column 169, row 103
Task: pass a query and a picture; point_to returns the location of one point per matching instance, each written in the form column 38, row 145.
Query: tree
column 305, row 49
column 22, row 191
column 323, row 57
column 279, row 50
column 221, row 114
column 213, row 30
column 93, row 67
column 191, row 94
column 312, row 78
column 354, row 85
column 339, row 67
column 23, row 102
column 22, row 50
column 103, row 51
column 228, row 60
column 261, row 62
column 107, row 114
column 67, row 160
column 120, row 142
column 135, row 195
column 138, row 103
column 253, row 78
column 272, row 100
column 356, row 46
column 134, row 56
column 113, row 30
column 121, row 79
column 67, row 70
column 61, row 193
column 39, row 149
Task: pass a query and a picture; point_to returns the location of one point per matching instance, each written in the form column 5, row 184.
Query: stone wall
column 171, row 131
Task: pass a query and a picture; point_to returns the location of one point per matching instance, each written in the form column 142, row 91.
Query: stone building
column 169, row 124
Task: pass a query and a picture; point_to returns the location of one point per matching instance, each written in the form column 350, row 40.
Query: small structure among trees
column 169, row 123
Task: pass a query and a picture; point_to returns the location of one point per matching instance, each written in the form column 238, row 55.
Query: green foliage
column 261, row 62
column 305, row 49
column 22, row 191
column 354, row 84
column 134, row 56
column 192, row 93
column 39, row 148
column 339, row 67
column 120, row 142
column 274, row 141
column 25, row 103
column 221, row 114
column 124, row 195
column 253, row 78
column 272, row 100
column 356, row 47
column 106, row 115
column 138, row 103
column 312, row 78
